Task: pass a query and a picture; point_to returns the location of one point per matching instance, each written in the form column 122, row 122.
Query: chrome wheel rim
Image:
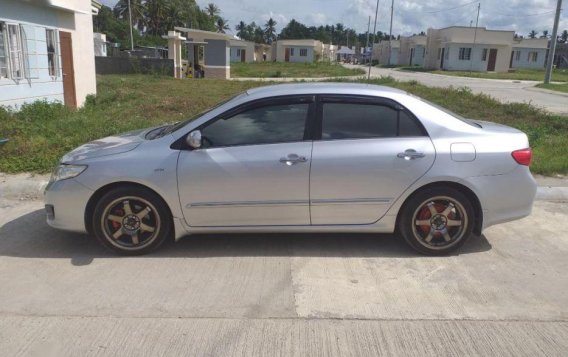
column 130, row 223
column 439, row 222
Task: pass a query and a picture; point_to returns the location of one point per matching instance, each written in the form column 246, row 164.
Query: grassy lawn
column 291, row 70
column 558, row 75
column 41, row 133
column 556, row 87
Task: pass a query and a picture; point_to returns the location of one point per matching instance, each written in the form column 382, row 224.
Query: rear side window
column 261, row 125
column 361, row 120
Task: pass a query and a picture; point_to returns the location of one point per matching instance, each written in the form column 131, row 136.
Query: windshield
column 181, row 124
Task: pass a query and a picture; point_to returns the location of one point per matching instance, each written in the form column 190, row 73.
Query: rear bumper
column 505, row 197
column 65, row 202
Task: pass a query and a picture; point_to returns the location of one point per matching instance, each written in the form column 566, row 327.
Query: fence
column 126, row 65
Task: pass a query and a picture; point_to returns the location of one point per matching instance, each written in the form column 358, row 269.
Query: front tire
column 131, row 221
column 437, row 221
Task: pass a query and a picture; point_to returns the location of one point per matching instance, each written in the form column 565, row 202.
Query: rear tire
column 131, row 221
column 437, row 221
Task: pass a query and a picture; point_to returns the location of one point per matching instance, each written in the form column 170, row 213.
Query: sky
column 410, row 16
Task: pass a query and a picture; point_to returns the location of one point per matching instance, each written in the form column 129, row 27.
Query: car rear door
column 253, row 168
column 370, row 150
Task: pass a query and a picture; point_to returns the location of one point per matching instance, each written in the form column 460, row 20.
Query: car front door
column 370, row 152
column 253, row 167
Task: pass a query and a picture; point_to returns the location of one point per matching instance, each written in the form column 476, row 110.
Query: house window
column 52, row 57
column 484, row 55
column 303, row 52
column 465, row 54
column 532, row 56
column 518, row 56
column 291, row 51
column 15, row 52
column 3, row 52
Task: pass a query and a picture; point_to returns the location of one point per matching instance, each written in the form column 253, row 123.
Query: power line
column 451, row 8
column 539, row 14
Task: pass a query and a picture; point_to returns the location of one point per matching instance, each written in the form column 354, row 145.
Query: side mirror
column 194, row 139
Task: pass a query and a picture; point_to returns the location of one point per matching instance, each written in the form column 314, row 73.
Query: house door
column 67, row 69
column 511, row 62
column 442, row 59
column 492, row 59
column 243, row 56
column 411, row 55
column 287, row 55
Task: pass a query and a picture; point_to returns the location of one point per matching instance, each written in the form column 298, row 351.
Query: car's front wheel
column 131, row 221
column 437, row 221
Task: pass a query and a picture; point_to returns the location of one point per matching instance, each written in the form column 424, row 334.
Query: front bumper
column 66, row 201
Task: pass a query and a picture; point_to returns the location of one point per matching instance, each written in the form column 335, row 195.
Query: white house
column 297, row 50
column 412, row 50
column 529, row 53
column 242, row 51
column 46, row 51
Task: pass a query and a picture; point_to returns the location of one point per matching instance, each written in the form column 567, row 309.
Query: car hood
column 106, row 146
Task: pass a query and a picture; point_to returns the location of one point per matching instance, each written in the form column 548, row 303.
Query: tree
column 533, row 34
column 156, row 15
column 544, row 34
column 270, row 31
column 212, row 10
column 137, row 9
column 294, row 30
column 564, row 36
column 222, row 25
column 242, row 30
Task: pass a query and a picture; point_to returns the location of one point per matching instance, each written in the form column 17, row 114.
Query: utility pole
column 390, row 34
column 368, row 33
column 553, row 40
column 130, row 22
column 474, row 38
column 374, row 39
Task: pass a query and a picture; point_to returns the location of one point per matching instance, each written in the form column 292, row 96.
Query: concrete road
column 503, row 90
column 505, row 294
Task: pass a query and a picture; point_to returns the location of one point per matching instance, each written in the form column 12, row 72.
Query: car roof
column 322, row 88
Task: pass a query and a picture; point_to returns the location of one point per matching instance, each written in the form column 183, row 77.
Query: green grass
column 291, row 70
column 556, row 87
column 41, row 133
column 558, row 75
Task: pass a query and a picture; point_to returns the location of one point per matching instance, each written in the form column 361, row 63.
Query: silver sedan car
column 319, row 157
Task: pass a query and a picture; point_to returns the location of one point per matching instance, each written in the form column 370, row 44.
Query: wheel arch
column 101, row 191
column 471, row 196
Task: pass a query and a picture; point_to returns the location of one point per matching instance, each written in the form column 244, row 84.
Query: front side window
column 3, row 52
column 291, row 51
column 361, row 121
column 261, row 125
column 465, row 53
column 303, row 52
column 532, row 56
column 518, row 56
column 52, row 57
column 484, row 55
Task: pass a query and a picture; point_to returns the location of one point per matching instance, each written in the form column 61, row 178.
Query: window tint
column 359, row 121
column 264, row 125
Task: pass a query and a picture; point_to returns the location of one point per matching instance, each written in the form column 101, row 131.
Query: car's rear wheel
column 131, row 221
column 437, row 221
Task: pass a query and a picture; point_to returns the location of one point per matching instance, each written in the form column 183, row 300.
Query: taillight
column 523, row 156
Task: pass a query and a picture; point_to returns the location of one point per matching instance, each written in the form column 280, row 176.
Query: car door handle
column 410, row 154
column 292, row 159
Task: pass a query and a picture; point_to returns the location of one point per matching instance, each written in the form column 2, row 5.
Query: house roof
column 299, row 42
column 210, row 35
column 345, row 51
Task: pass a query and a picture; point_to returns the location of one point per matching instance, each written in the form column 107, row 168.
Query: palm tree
column 156, row 15
column 242, row 30
column 564, row 36
column 212, row 10
column 137, row 8
column 533, row 34
column 544, row 34
column 270, row 30
column 222, row 25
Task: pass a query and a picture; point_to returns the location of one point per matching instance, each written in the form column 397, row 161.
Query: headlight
column 63, row 172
